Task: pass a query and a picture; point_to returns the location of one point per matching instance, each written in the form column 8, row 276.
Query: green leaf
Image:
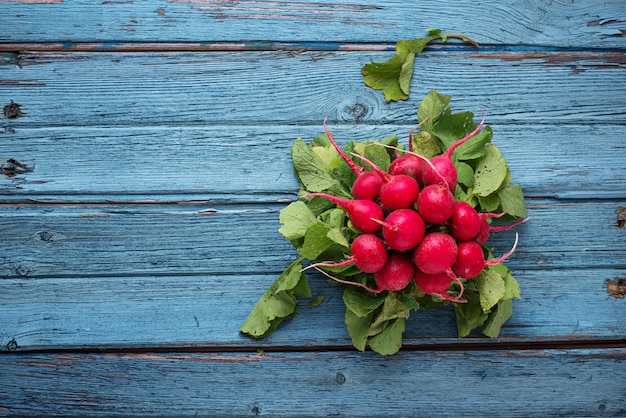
column 511, row 286
column 296, row 219
column 406, row 73
column 497, row 318
column 409, row 301
column 375, row 153
column 334, row 217
column 316, row 302
column 491, row 288
column 389, row 340
column 392, row 309
column 512, row 201
column 425, row 145
column 490, row 172
column 358, row 328
column 316, row 241
column 361, row 303
column 393, row 77
column 311, row 171
column 450, row 127
column 432, row 107
column 385, row 76
column 278, row 302
column 489, row 203
column 466, row 174
column 468, row 317
column 336, row 236
column 328, row 156
column 474, row 147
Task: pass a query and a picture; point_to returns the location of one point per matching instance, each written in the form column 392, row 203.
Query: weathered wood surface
column 157, row 138
column 250, row 23
column 420, row 383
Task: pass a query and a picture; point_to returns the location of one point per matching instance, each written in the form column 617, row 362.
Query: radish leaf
column 393, row 77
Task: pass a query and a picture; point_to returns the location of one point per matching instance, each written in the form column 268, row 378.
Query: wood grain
column 493, row 383
column 206, row 311
column 162, row 240
column 189, row 163
column 153, row 145
column 561, row 24
column 92, row 276
column 275, row 88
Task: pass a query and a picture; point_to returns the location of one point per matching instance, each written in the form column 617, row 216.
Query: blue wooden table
column 144, row 149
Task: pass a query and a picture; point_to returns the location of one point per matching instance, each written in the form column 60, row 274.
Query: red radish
column 435, row 203
column 486, row 229
column 464, row 222
column 397, row 192
column 368, row 253
column 470, row 259
column 397, row 273
column 367, row 184
column 410, row 165
column 436, row 253
column 438, row 284
column 442, row 169
column 365, row 215
column 403, row 229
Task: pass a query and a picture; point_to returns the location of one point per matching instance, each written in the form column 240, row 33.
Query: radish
column 444, row 171
column 403, row 229
column 470, row 259
column 486, row 229
column 397, row 273
column 438, row 284
column 397, row 192
column 394, row 276
column 464, row 222
column 367, row 184
column 409, row 165
column 368, row 253
column 436, row 253
column 435, row 203
column 365, row 215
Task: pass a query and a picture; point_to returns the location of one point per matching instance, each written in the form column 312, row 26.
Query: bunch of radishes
column 410, row 226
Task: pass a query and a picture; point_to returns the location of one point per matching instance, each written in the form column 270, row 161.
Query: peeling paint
column 579, row 61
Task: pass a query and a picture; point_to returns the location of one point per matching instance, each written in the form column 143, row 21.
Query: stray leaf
column 393, row 77
column 316, row 302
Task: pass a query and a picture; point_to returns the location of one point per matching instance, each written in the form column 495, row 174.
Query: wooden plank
column 562, row 306
column 92, row 276
column 100, row 240
column 433, row 383
column 190, row 163
column 349, row 21
column 272, row 88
